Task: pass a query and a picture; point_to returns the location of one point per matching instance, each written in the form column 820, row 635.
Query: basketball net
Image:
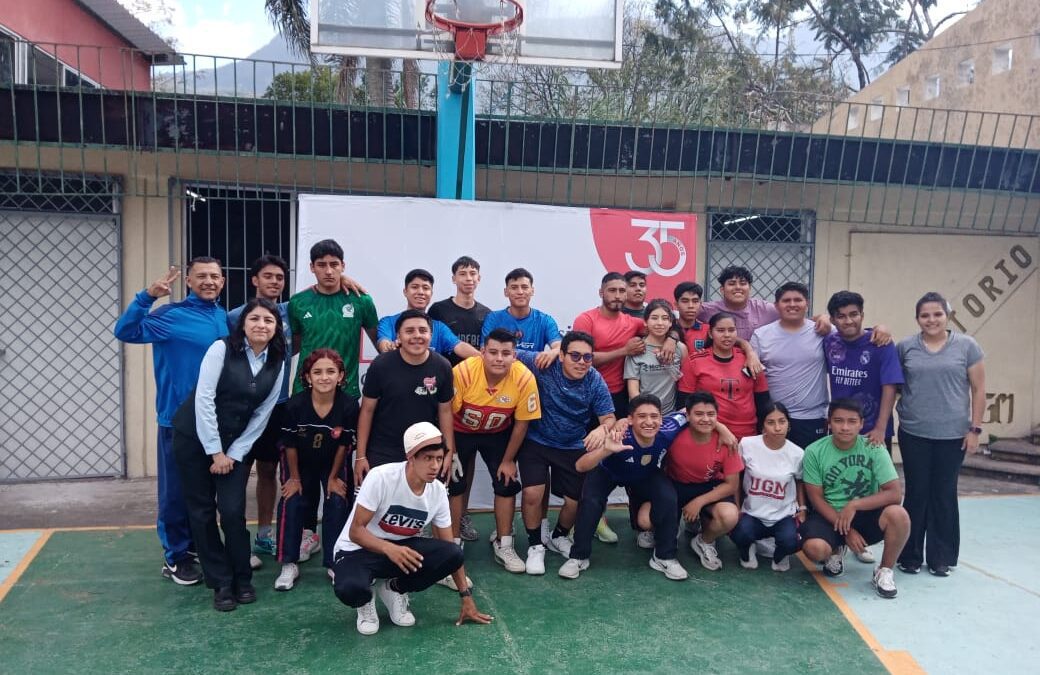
column 501, row 50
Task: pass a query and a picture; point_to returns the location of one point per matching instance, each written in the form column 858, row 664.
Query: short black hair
column 464, row 261
column 844, row 299
column 576, row 336
column 412, row 314
column 848, row 404
column 501, row 335
column 684, row 287
column 701, row 397
column 418, row 273
column 634, row 274
column 267, row 261
column 518, row 273
column 734, row 272
column 796, row 286
column 931, row 296
column 326, row 247
column 611, row 276
column 643, row 399
column 204, row 260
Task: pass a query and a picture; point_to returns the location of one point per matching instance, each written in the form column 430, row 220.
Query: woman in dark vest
column 214, row 429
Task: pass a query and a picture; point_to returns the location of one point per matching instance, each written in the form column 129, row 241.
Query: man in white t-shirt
column 382, row 537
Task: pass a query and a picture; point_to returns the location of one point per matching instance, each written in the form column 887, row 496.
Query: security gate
column 60, row 384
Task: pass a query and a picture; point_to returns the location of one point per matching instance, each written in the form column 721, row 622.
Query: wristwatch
column 974, row 430
column 468, row 593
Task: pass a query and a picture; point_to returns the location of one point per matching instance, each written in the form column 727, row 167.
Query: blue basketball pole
column 456, row 131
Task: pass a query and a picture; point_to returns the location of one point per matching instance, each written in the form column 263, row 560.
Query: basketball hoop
column 471, row 38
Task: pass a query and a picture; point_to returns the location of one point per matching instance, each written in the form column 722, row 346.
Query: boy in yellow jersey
column 496, row 397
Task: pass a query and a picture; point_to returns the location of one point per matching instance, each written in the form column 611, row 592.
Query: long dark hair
column 713, row 321
column 276, row 347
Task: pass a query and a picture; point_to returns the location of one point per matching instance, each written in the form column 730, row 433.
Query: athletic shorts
column 867, row 523
column 492, row 448
column 268, row 448
column 687, row 491
column 535, row 461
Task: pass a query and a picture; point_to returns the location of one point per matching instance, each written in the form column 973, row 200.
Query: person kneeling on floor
column 382, row 540
column 854, row 491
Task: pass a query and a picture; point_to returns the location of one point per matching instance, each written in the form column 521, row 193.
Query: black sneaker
column 939, row 570
column 224, row 600
column 245, row 594
column 907, row 568
column 184, row 573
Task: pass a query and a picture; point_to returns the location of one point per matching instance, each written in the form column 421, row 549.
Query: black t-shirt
column 638, row 313
column 313, row 436
column 465, row 323
column 407, row 394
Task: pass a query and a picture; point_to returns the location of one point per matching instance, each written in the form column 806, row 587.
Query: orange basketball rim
column 471, row 37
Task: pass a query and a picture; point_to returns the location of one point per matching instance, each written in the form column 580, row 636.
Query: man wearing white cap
column 381, row 539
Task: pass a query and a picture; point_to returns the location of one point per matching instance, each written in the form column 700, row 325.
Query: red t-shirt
column 610, row 334
column 734, row 391
column 688, row 461
column 694, row 336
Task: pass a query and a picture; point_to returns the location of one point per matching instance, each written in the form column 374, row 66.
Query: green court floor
column 93, row 601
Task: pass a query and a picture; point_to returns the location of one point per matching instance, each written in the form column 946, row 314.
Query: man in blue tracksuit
column 180, row 333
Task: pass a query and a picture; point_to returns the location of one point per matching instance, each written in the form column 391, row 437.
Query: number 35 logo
column 660, row 245
column 657, row 235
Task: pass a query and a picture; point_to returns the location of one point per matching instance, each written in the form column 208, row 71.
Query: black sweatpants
column 294, row 513
column 931, row 467
column 225, row 563
column 355, row 570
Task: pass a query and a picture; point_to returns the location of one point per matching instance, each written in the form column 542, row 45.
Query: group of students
column 736, row 417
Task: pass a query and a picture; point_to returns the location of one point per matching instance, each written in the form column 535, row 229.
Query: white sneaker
column 307, row 545
column 782, row 566
column 367, row 618
column 866, row 557
column 884, row 582
column 573, row 567
column 535, row 560
column 449, row 582
column 255, row 562
column 766, row 547
column 506, row 556
column 287, row 577
column 396, row 603
column 604, row 533
column 671, row 568
column 546, row 533
column 708, row 554
column 561, row 545
column 752, row 560
column 835, row 565
column 645, row 539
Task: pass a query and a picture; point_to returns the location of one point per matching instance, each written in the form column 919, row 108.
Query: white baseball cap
column 420, row 435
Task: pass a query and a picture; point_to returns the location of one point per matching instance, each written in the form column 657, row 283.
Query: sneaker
column 835, row 565
column 397, row 604
column 255, row 562
column 765, row 547
column 708, row 554
column 906, row 568
column 506, row 556
column 604, row 533
column 884, row 582
column 671, row 568
column 535, row 564
column 265, row 546
column 287, row 577
column 783, row 566
column 546, row 532
column 752, row 560
column 307, row 546
column 573, row 568
column 245, row 594
column 332, row 574
column 939, row 570
column 466, row 529
column 184, row 573
column 367, row 618
column 645, row 539
column 449, row 582
column 866, row 557
column 224, row 599
column 561, row 545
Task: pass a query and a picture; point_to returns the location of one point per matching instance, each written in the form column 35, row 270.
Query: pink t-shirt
column 610, row 334
column 757, row 313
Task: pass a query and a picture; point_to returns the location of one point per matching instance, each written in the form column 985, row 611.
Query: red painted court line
column 24, row 563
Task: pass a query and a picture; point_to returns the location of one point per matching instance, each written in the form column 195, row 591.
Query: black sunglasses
column 578, row 357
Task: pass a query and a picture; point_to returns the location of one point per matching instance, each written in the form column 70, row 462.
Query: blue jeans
column 750, row 529
column 172, row 523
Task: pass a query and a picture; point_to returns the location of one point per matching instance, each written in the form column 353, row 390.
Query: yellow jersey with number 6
column 479, row 409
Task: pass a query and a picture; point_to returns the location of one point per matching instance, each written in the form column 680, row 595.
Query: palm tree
column 290, row 18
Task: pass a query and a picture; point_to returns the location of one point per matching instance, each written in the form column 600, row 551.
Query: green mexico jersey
column 333, row 322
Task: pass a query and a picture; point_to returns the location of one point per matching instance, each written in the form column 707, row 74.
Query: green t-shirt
column 849, row 474
column 333, row 322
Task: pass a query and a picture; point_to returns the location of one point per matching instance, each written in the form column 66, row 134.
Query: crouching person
column 381, row 539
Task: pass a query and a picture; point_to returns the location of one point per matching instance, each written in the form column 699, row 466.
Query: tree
column 156, row 14
column 316, row 85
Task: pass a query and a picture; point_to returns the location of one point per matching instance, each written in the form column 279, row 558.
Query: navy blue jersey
column 315, row 436
column 631, row 466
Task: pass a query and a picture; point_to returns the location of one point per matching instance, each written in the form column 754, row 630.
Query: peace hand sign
column 161, row 287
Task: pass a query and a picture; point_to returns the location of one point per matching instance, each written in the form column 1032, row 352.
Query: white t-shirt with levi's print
column 398, row 513
column 769, row 479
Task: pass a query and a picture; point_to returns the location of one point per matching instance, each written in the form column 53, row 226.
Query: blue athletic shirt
column 858, row 369
column 567, row 405
column 443, row 341
column 283, row 311
column 180, row 334
column 534, row 332
column 631, row 466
